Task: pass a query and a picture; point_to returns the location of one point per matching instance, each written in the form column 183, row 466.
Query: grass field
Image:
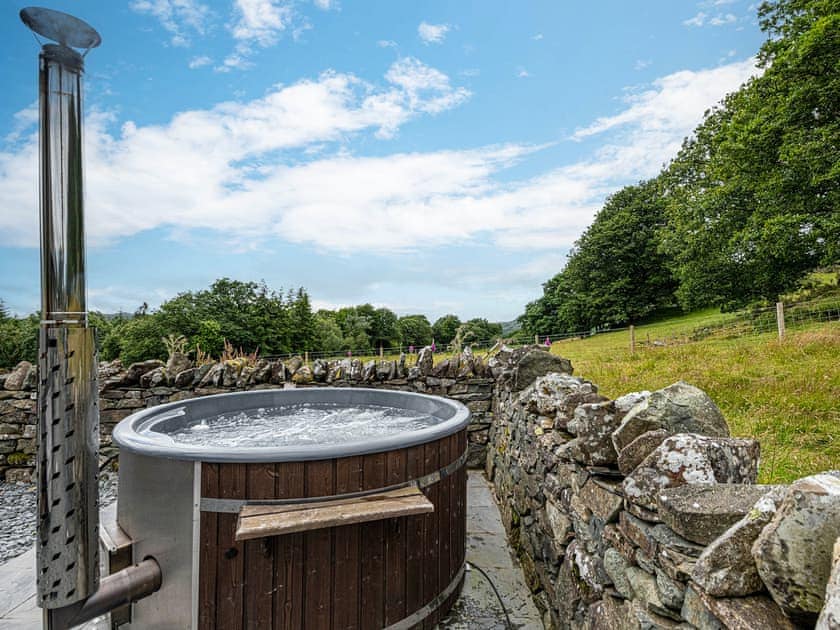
column 784, row 393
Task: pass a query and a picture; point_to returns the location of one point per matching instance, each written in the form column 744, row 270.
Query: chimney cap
column 60, row 27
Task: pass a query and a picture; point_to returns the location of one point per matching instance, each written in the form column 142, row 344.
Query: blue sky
column 431, row 157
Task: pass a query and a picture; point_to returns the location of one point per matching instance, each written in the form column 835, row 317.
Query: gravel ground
column 18, row 518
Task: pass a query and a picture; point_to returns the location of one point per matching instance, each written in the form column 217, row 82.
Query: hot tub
column 180, row 498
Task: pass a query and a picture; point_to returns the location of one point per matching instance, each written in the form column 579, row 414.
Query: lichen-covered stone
column 671, row 592
column 668, row 539
column 638, row 532
column 793, row 552
column 616, row 565
column 646, row 593
column 726, row 567
column 558, row 395
column 594, row 423
column 634, row 453
column 688, row 458
column 303, row 375
column 601, row 502
column 702, row 512
column 425, row 360
column 830, row 615
column 536, row 362
column 678, row 408
column 696, row 612
column 153, row 378
column 136, row 370
column 177, row 363
column 756, row 612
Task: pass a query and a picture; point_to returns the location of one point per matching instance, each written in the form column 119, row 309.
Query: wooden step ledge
column 260, row 521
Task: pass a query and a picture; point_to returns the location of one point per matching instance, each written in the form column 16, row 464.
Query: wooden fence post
column 381, row 352
column 780, row 319
column 306, row 358
column 632, row 339
column 536, row 340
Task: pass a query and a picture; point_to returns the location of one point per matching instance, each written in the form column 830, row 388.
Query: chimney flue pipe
column 68, row 418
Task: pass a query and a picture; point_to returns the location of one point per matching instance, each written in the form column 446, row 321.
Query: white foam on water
column 297, row 425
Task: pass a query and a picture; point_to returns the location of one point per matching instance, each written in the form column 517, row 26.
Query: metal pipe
column 68, row 417
column 118, row 589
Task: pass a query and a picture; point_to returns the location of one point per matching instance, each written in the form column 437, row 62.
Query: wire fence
column 776, row 319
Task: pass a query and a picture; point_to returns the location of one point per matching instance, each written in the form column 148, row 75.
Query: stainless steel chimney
column 68, row 418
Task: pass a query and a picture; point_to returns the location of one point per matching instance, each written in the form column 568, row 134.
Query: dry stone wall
column 643, row 512
column 635, row 513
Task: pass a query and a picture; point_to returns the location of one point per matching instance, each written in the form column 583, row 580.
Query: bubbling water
column 298, row 425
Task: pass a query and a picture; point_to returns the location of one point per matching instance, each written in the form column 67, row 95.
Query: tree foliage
column 744, row 211
column 615, row 272
column 415, row 330
column 445, row 328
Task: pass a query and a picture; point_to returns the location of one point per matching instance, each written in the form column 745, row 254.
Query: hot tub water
column 297, row 425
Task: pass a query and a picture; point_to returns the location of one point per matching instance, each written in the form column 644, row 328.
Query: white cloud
column 191, row 171
column 537, row 37
column 704, row 19
column 721, row 20
column 386, row 43
column 229, row 170
column 672, row 104
column 697, row 20
column 326, row 5
column 261, row 21
column 432, row 33
column 200, row 62
column 177, row 16
column 523, row 73
column 428, row 89
column 641, row 64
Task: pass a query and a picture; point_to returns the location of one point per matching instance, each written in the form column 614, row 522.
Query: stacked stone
column 465, row 377
column 642, row 512
column 18, row 400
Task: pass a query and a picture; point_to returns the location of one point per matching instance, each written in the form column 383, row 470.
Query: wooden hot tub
column 210, row 519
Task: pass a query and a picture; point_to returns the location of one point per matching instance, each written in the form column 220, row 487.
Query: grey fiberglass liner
column 134, row 434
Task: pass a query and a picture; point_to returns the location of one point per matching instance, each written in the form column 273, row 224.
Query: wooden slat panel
column 262, row 521
column 208, row 528
column 288, row 587
column 444, row 524
column 320, row 481
column 259, row 555
column 431, row 549
column 348, row 478
column 230, row 556
column 373, row 550
column 415, row 539
column 395, row 467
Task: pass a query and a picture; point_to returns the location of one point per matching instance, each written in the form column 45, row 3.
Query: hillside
column 784, row 393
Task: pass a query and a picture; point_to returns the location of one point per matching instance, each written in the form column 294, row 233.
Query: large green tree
column 615, row 274
column 415, row 330
column 752, row 197
column 445, row 328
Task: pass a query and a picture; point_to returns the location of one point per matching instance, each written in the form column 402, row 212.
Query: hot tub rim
column 126, row 436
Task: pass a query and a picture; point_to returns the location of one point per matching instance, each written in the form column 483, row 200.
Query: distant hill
column 508, row 328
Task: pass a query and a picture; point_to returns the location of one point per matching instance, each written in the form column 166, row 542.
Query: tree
column 301, row 322
column 615, row 274
column 415, row 330
column 141, row 338
column 384, row 329
column 328, row 337
column 752, row 197
column 445, row 328
column 477, row 331
column 19, row 340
